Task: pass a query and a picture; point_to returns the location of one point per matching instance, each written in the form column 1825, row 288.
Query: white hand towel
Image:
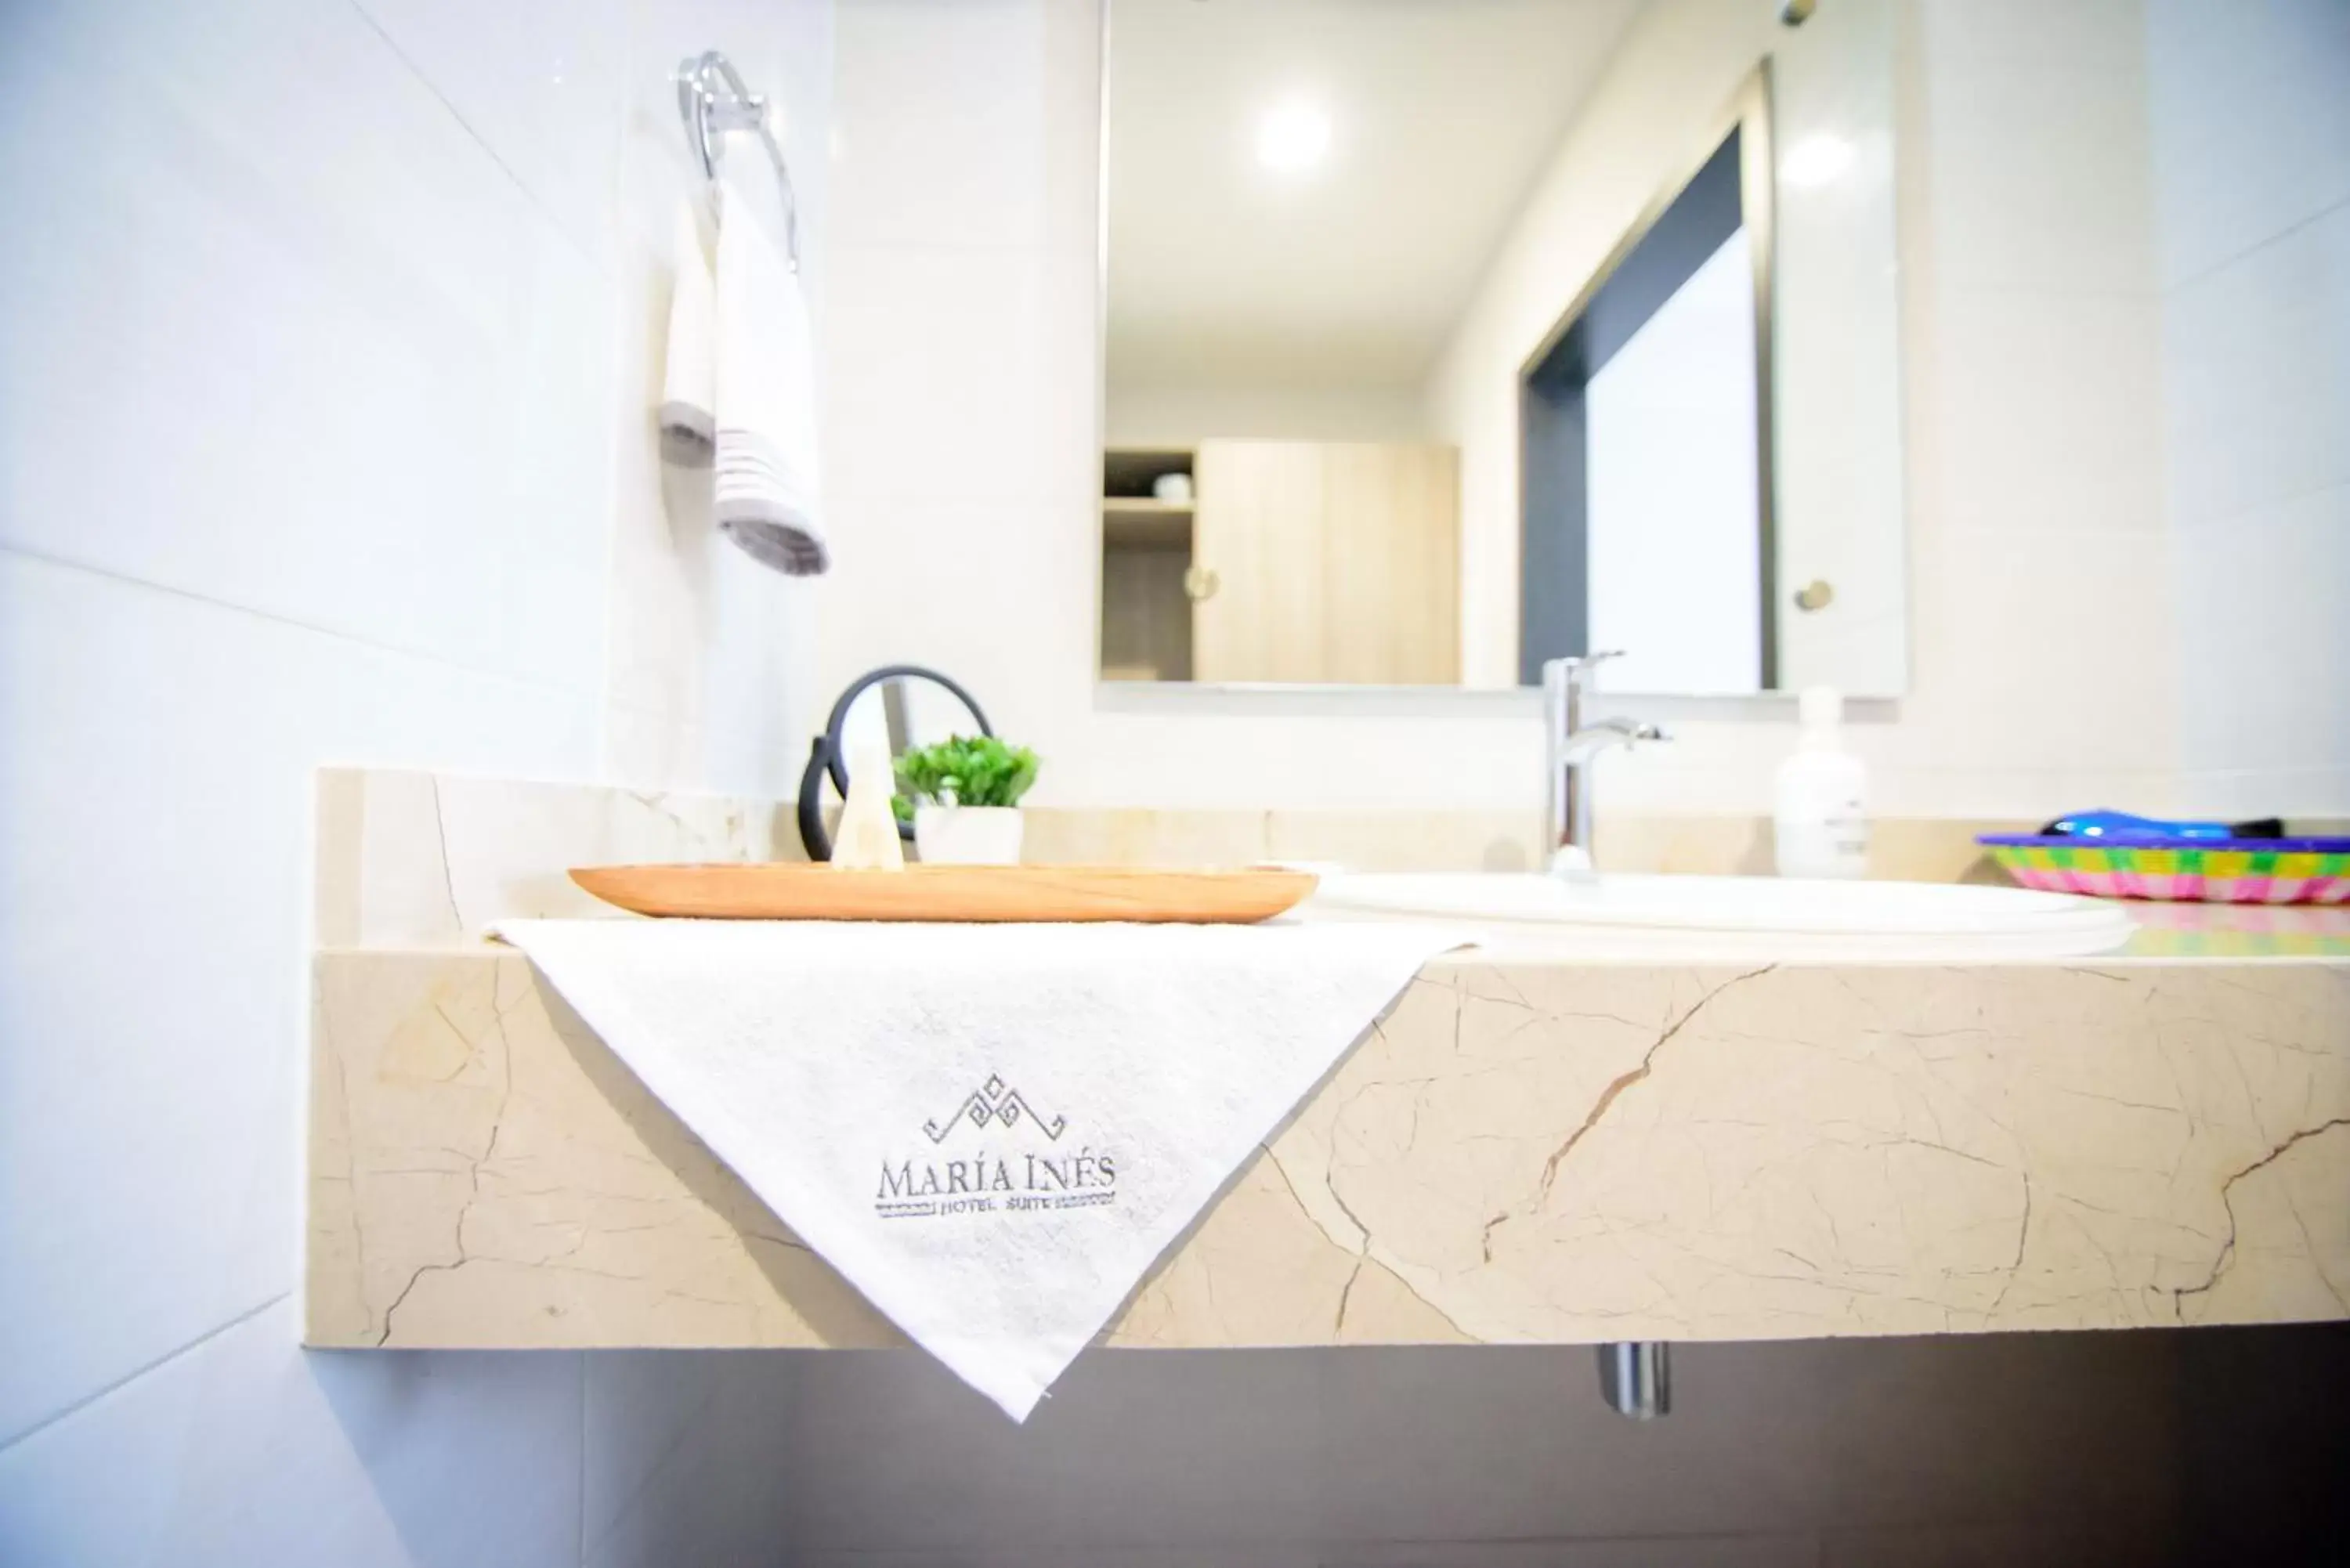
column 689, row 381
column 766, row 495
column 991, row 1131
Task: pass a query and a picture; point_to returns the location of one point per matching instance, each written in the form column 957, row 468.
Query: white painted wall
column 323, row 438
column 961, row 324
column 2251, row 143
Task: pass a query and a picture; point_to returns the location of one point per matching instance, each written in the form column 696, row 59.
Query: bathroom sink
column 1625, row 915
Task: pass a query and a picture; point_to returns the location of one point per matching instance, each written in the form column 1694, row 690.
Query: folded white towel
column 689, row 381
column 767, row 492
column 991, row 1131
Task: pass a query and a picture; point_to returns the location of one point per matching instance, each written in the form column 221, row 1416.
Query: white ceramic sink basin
column 1760, row 916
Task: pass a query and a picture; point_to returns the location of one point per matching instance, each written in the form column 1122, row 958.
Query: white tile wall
column 323, row 438
column 2252, row 127
column 942, row 149
column 2251, row 142
column 2036, row 129
column 2257, row 357
column 959, row 421
column 155, row 767
column 940, row 390
column 399, row 364
column 237, row 1451
column 540, row 84
column 708, row 664
column 2050, row 407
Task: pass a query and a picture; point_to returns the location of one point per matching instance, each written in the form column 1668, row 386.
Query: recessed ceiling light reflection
column 1293, row 137
column 1816, row 160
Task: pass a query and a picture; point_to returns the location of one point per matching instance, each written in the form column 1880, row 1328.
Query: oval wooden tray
column 992, row 893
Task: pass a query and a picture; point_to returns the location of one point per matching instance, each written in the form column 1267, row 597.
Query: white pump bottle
column 1822, row 813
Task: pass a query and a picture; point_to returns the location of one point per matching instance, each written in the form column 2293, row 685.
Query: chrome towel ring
column 713, row 101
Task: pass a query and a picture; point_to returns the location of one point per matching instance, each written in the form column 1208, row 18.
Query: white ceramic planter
column 968, row 835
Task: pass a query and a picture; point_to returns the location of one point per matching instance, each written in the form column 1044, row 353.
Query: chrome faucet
column 1634, row 1375
column 1570, row 746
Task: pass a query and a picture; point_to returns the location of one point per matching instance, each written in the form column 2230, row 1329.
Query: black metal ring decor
column 827, row 758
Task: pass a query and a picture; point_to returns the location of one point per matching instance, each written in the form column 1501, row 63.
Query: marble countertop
column 1527, row 1149
column 1530, row 1147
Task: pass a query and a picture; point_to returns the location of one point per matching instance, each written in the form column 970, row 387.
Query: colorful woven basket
column 2242, row 871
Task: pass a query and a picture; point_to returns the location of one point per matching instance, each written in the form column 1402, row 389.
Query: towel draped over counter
column 991, row 1131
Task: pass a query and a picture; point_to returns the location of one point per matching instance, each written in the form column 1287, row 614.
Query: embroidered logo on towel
column 993, row 1102
column 978, row 1180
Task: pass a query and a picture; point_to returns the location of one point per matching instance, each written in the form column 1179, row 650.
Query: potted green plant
column 966, row 799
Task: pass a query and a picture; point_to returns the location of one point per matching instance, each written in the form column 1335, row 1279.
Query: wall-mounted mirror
column 1444, row 339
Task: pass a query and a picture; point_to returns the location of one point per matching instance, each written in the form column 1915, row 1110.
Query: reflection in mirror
column 1442, row 339
column 1642, row 480
column 894, row 709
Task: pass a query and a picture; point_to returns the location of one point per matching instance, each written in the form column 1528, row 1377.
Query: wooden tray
column 993, row 893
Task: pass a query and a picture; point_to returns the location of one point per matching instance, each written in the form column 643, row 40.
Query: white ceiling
column 1443, row 112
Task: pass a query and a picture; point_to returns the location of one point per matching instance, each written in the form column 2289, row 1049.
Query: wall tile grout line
column 522, row 186
column 2206, row 274
column 295, row 623
column 128, row 1379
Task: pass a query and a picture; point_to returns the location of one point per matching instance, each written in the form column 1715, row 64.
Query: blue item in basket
column 2120, row 825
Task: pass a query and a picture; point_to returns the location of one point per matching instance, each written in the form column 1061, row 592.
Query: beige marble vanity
column 1530, row 1147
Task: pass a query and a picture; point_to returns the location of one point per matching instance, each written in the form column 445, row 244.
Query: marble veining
column 1523, row 1150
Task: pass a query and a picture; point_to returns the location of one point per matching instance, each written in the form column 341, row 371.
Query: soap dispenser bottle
column 867, row 839
column 1821, row 814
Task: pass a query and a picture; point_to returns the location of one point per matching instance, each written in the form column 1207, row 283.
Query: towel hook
column 712, row 100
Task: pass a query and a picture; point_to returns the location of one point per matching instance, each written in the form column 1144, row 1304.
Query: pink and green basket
column 2239, row 871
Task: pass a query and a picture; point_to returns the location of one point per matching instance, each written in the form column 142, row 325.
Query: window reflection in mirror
column 1644, row 477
